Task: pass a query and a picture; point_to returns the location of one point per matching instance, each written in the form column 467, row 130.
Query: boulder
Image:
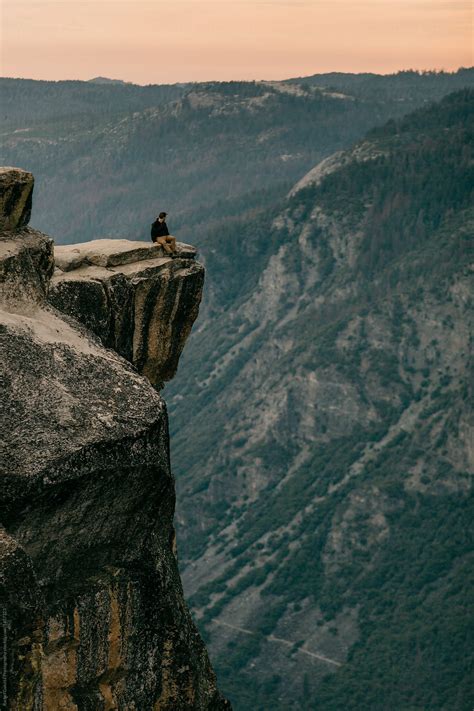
column 16, row 195
column 26, row 266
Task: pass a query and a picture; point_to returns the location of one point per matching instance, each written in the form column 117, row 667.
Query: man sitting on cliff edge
column 160, row 234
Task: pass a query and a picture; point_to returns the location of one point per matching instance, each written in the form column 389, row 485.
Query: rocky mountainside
column 323, row 429
column 108, row 158
column 322, row 447
column 93, row 615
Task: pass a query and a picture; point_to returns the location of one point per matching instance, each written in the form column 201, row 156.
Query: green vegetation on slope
column 321, row 414
column 108, row 157
column 367, row 508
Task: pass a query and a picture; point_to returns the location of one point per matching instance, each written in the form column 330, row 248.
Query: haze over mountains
column 321, row 421
column 113, row 156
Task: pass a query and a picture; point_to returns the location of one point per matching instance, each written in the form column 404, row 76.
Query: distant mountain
column 322, row 432
column 106, row 80
column 111, row 156
column 402, row 86
column 51, row 110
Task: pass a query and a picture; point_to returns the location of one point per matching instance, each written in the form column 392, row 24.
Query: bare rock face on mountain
column 93, row 611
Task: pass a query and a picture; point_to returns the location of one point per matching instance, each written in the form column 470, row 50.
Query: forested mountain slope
column 109, row 157
column 325, row 455
column 28, row 102
column 322, row 446
column 402, row 86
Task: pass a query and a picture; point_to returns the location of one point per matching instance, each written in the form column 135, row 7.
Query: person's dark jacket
column 159, row 229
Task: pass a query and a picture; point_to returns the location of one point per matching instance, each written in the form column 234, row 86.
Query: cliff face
column 92, row 604
column 139, row 302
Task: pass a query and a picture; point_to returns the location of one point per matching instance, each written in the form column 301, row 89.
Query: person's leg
column 163, row 242
column 172, row 242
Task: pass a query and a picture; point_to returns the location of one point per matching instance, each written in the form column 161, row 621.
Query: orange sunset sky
column 150, row 41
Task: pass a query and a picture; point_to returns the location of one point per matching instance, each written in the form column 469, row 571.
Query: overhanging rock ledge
column 137, row 300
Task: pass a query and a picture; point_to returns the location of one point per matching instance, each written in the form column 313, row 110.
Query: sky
column 155, row 41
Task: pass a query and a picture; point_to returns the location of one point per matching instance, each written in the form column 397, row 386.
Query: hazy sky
column 155, row 41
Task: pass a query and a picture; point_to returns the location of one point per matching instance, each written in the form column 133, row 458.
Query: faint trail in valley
column 272, row 638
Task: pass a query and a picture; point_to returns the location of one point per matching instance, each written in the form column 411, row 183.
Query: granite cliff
column 138, row 301
column 93, row 615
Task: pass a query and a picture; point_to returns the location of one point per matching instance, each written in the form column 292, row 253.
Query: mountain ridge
column 113, row 155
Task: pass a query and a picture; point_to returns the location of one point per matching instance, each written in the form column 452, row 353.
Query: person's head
column 162, row 216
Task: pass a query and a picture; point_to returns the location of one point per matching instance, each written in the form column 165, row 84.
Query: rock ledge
column 111, row 253
column 136, row 300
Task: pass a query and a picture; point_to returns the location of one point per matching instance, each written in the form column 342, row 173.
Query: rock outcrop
column 93, row 614
column 138, row 301
column 16, row 194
